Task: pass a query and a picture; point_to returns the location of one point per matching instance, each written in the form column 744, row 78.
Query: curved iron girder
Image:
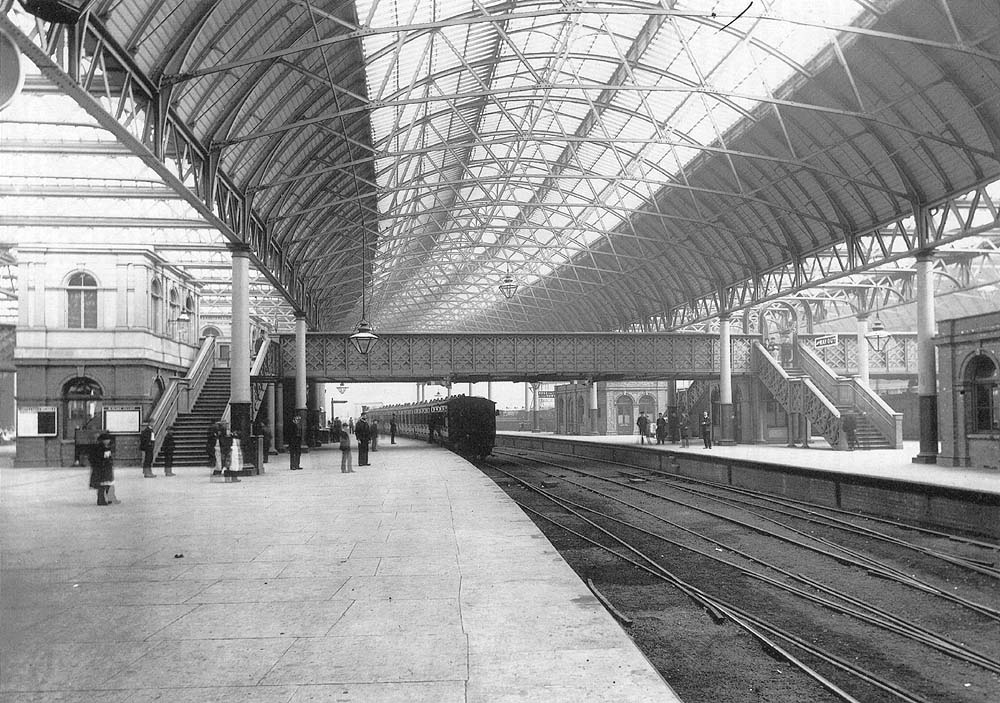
column 223, row 212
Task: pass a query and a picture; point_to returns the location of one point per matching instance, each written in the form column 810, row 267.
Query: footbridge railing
column 798, row 395
column 516, row 357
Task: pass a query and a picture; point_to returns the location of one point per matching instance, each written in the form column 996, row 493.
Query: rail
column 177, row 397
column 851, row 392
column 257, row 390
column 798, row 395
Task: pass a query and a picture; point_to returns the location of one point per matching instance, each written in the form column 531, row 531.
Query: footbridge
column 508, row 357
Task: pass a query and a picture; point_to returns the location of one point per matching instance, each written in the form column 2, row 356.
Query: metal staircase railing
column 257, row 390
column 181, row 393
column 798, row 395
column 851, row 392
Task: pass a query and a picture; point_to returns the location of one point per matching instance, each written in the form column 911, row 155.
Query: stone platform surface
column 413, row 580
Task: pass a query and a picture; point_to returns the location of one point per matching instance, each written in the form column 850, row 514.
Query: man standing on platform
column 392, row 429
column 643, row 424
column 147, row 440
column 294, row 439
column 373, row 433
column 661, row 429
column 169, row 445
column 705, row 425
column 363, row 433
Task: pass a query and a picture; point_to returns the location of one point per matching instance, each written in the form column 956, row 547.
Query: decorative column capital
column 239, row 249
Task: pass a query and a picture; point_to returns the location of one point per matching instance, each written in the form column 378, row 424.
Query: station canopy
column 628, row 164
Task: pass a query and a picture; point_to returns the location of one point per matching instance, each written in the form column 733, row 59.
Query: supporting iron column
column 726, row 428
column 534, row 407
column 239, row 369
column 489, row 390
column 279, row 417
column 593, row 406
column 269, row 406
column 300, row 369
column 926, row 361
column 862, row 354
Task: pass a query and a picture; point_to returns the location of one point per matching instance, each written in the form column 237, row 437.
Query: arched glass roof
column 626, row 161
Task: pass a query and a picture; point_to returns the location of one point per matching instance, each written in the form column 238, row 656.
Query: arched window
column 156, row 306
column 81, row 405
column 983, row 384
column 173, row 314
column 81, row 304
column 647, row 404
column 211, row 332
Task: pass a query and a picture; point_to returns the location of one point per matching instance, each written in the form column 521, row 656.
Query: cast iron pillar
column 926, row 361
column 727, row 431
column 239, row 369
column 301, row 389
column 862, row 342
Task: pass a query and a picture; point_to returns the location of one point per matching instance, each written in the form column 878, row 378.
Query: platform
column 889, row 464
column 414, row 579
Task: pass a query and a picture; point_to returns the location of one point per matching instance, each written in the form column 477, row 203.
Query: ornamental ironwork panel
column 459, row 357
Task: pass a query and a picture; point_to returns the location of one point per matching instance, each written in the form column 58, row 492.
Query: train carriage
column 464, row 424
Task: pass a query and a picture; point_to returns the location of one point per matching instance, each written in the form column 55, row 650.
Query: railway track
column 630, row 512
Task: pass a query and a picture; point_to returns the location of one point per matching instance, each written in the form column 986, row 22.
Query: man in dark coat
column 363, row 433
column 661, row 429
column 169, row 445
column 147, row 440
column 294, row 439
column 211, row 440
column 392, row 429
column 705, row 425
column 643, row 424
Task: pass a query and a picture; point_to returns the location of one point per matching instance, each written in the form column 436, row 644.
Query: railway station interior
column 770, row 229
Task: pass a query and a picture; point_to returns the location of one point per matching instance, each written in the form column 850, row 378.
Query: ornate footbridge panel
column 515, row 357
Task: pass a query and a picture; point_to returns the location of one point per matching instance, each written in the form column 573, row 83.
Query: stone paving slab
column 413, row 580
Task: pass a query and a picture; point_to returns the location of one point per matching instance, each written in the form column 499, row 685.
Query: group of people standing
column 224, row 451
column 676, row 427
column 365, row 433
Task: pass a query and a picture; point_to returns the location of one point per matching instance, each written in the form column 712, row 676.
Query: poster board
column 40, row 421
column 122, row 419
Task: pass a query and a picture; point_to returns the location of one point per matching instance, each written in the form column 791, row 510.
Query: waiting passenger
column 345, row 453
column 102, row 473
column 705, row 424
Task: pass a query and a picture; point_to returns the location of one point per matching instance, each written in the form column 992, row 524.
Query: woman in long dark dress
column 102, row 473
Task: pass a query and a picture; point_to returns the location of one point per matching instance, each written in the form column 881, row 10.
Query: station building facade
column 100, row 332
column 969, row 391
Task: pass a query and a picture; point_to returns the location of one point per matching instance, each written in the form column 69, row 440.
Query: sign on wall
column 42, row 421
column 122, row 419
column 829, row 340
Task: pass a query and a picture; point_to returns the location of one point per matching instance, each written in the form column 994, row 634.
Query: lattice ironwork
column 515, row 357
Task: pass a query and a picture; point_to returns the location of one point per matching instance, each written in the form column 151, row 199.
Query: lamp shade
column 364, row 338
column 877, row 336
column 508, row 287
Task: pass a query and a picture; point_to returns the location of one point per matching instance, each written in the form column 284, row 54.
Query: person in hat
column 102, row 473
column 169, row 445
column 147, row 442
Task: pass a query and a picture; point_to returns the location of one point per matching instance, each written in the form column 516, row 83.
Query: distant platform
column 414, row 579
column 881, row 482
column 892, row 464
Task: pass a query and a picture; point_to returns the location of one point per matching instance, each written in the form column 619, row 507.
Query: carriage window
column 81, row 310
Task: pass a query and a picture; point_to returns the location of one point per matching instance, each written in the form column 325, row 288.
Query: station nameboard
column 829, row 340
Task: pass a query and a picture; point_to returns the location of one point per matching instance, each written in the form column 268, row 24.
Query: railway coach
column 464, row 424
